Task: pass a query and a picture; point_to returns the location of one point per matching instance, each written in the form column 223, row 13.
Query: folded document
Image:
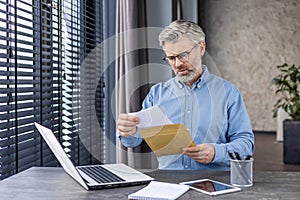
column 162, row 136
column 152, row 116
column 167, row 139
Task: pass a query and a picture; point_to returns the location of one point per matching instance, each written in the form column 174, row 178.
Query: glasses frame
column 183, row 56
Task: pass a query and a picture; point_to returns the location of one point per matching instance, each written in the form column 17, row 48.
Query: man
column 211, row 108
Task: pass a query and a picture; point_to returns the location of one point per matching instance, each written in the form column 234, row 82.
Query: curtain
column 177, row 10
column 131, row 73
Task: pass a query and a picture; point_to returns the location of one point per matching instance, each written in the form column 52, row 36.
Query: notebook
column 93, row 176
column 160, row 191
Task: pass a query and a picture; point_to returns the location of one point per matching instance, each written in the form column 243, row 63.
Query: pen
column 248, row 157
column 237, row 155
column 231, row 155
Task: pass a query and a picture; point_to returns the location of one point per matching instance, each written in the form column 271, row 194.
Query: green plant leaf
column 287, row 84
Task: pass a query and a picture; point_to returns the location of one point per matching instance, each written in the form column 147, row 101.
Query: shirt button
column 188, row 112
column 186, row 166
column 189, row 94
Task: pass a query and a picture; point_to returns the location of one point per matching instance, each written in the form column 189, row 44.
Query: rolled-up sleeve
column 239, row 132
column 131, row 141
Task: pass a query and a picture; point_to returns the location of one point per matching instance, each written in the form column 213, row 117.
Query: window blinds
column 42, row 46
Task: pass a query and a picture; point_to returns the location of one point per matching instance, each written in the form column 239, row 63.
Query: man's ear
column 202, row 45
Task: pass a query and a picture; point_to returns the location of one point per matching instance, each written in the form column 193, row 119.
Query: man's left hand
column 203, row 153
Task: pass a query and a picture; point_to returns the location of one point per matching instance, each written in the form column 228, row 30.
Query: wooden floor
column 268, row 155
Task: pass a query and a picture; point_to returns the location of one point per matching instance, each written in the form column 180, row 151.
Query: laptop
column 93, row 177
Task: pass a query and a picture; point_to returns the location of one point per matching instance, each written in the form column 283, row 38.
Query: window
column 42, row 46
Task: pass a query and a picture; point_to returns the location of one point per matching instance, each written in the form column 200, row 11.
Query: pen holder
column 241, row 172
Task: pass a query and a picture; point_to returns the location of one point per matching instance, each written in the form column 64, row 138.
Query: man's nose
column 178, row 62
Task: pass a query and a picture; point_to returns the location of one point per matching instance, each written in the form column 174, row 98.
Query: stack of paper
column 160, row 191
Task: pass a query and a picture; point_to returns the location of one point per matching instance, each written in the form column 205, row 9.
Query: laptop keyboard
column 100, row 174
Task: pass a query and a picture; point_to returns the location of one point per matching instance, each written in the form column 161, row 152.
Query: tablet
column 211, row 187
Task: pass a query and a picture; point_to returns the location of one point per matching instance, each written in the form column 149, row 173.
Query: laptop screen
column 59, row 153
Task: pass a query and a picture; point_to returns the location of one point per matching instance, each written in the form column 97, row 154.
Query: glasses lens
column 170, row 59
column 183, row 56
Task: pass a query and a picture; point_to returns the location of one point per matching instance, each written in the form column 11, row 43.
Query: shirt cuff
column 220, row 153
column 131, row 141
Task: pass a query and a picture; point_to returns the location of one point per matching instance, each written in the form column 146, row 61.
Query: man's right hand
column 126, row 124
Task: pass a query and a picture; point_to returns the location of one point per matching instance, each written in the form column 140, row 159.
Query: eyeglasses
column 184, row 56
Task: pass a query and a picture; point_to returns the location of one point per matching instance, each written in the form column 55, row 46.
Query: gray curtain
column 132, row 69
column 131, row 73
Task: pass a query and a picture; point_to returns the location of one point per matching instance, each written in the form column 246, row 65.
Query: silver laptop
column 93, row 176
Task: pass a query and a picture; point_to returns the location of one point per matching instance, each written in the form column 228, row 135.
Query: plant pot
column 291, row 142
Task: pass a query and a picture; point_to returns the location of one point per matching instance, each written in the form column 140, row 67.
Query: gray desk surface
column 54, row 183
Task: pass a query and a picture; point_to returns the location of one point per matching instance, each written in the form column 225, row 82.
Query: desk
column 53, row 183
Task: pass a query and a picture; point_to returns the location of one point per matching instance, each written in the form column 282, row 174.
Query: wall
column 246, row 40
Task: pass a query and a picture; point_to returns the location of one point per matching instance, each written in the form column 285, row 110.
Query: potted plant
column 287, row 84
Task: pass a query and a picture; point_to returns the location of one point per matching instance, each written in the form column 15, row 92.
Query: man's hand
column 203, row 153
column 126, row 124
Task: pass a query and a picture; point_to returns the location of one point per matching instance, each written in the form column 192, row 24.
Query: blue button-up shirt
column 213, row 112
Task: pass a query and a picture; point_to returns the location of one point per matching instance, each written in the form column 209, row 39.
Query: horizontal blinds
column 19, row 99
column 42, row 43
column 49, row 87
column 71, row 16
column 80, row 106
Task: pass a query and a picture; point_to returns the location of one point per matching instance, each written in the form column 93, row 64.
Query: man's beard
column 190, row 76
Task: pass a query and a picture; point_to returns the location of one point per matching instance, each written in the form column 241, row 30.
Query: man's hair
column 178, row 28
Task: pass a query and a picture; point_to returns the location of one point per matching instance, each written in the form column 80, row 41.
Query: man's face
column 185, row 59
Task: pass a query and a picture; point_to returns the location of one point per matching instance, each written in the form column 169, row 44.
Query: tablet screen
column 211, row 187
